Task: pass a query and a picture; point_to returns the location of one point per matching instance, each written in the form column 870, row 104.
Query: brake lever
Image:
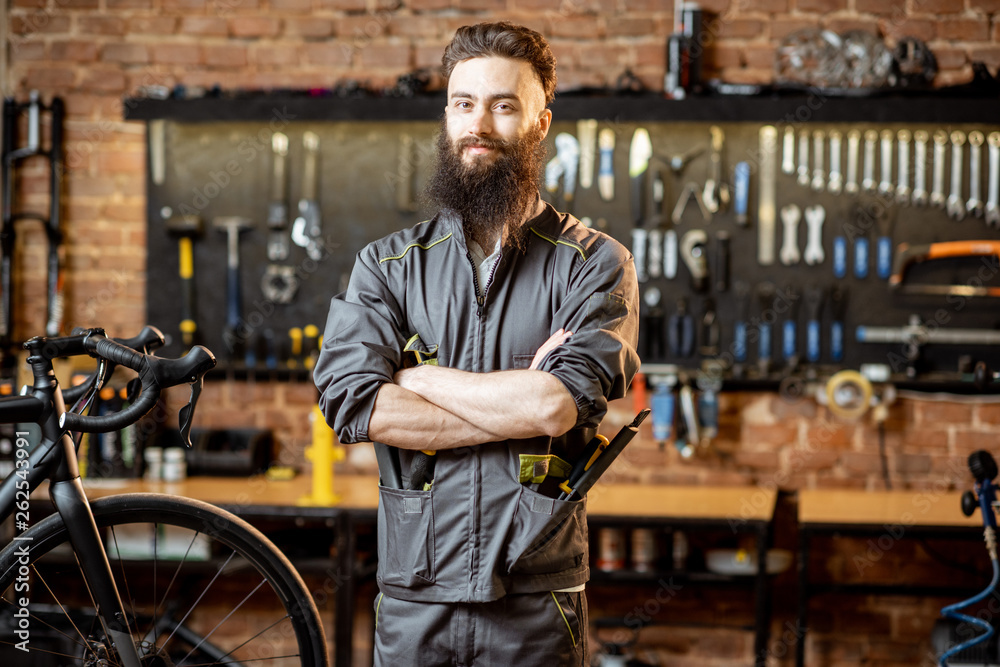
column 185, row 417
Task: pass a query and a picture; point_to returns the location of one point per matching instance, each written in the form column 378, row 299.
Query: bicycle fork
column 70, row 501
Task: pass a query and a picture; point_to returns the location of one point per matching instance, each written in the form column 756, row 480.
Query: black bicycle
column 134, row 580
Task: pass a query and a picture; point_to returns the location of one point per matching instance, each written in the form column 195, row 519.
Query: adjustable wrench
column 819, row 169
column 937, row 189
column 836, row 183
column 790, row 216
column 716, row 193
column 885, row 187
column 993, row 187
column 956, row 207
column 903, row 168
column 803, row 169
column 919, row 196
column 975, row 203
column 868, row 177
column 815, row 215
column 788, row 152
column 853, row 144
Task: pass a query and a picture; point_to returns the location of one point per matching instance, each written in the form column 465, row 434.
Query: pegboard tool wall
column 360, row 169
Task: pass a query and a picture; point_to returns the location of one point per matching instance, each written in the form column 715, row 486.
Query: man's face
column 493, row 100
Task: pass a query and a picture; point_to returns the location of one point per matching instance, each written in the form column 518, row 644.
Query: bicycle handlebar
column 155, row 374
column 149, row 339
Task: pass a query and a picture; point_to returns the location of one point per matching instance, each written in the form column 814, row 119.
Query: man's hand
column 554, row 341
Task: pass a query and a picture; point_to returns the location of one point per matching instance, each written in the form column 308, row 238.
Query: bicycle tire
column 234, row 540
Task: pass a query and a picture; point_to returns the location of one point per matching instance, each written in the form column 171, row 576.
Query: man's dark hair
column 505, row 40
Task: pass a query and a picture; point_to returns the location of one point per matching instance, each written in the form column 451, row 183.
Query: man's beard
column 490, row 197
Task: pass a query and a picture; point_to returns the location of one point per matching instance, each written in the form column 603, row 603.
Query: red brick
column 737, row 28
column 985, row 6
column 350, row 5
column 861, row 462
column 912, row 463
column 649, row 55
column 285, row 54
column 31, row 4
column 940, row 414
column 776, row 434
column 189, row 5
column 988, row 413
column 28, row 49
column 254, row 26
column 153, row 25
column 291, row 6
column 987, row 54
column 724, row 56
column 480, row 5
column 50, row 78
column 103, row 80
column 130, row 4
column 760, row 57
column 622, row 26
column 938, row 6
column 818, row 459
column 576, row 27
column 121, row 161
column 387, row 55
column 949, row 58
column 968, row 441
column 101, row 25
column 897, row 29
column 842, row 25
column 40, row 22
column 176, row 54
column 419, row 27
column 820, row 6
column 74, row 50
column 78, row 4
column 953, row 77
column 603, row 55
column 782, row 27
column 428, row 55
column 225, row 55
column 214, row 26
column 125, row 53
column 757, row 459
column 964, row 30
column 125, row 212
column 310, row 28
column 329, row 53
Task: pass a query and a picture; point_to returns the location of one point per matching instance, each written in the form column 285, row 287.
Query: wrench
column 868, row 177
column 790, row 216
column 885, row 185
column 993, row 187
column 975, row 203
column 903, row 188
column 768, row 141
column 788, row 152
column 937, row 189
column 716, row 193
column 853, row 143
column 803, row 170
column 815, row 215
column 956, row 207
column 836, row 177
column 819, row 170
column 919, row 196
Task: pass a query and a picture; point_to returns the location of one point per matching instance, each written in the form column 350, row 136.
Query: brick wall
column 94, row 52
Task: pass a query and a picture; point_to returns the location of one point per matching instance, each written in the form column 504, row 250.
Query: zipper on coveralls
column 481, row 297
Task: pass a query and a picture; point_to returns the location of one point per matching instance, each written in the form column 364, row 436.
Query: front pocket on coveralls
column 546, row 536
column 405, row 537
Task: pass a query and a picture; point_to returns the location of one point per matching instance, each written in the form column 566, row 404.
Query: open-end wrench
column 788, row 151
column 868, row 175
column 993, row 186
column 815, row 215
column 919, row 196
column 956, row 205
column 853, row 146
column 937, row 187
column 903, row 167
column 836, row 183
column 975, row 203
column 766, row 182
column 716, row 193
column 885, row 186
column 790, row 216
column 819, row 168
column 803, row 168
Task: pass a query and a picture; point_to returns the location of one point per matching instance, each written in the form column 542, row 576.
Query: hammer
column 232, row 226
column 186, row 228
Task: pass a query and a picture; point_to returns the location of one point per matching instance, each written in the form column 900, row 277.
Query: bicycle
column 144, row 609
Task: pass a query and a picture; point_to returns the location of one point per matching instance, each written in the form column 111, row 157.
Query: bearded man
column 479, row 350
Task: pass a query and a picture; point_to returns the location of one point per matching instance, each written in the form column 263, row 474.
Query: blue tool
column 840, row 256
column 814, row 316
column 662, row 405
column 838, row 304
column 790, row 333
column 741, row 187
column 861, row 256
column 765, row 295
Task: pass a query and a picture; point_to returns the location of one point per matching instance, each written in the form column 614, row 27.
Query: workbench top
column 878, row 508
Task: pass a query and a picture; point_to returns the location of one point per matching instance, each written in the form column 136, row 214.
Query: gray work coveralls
column 480, row 551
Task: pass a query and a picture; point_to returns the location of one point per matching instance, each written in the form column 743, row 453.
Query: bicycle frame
column 55, row 459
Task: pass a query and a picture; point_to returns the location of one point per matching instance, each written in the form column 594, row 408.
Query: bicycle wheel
column 200, row 585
